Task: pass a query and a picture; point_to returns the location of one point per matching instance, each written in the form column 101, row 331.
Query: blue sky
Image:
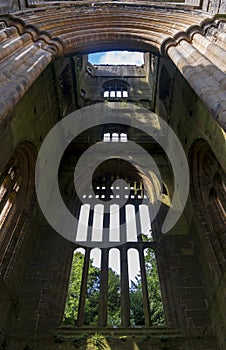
column 117, row 57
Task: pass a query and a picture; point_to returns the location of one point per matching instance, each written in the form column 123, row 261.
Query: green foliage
column 114, row 318
column 155, row 297
column 92, row 296
column 93, row 288
column 136, row 303
column 97, row 342
column 71, row 308
column 136, row 297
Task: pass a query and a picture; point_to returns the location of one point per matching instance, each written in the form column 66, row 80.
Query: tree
column 136, row 303
column 136, row 298
column 71, row 308
column 114, row 318
column 92, row 299
column 113, row 311
column 155, row 297
column 92, row 296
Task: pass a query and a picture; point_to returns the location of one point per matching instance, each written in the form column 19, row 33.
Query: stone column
column 122, row 220
column 83, row 289
column 125, row 297
column 90, row 223
column 204, row 77
column 103, row 298
column 106, row 224
column 216, row 54
column 146, row 303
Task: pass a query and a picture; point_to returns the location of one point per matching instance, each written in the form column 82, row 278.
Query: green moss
column 97, row 342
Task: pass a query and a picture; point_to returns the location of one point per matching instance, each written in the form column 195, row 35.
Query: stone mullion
column 90, row 223
column 76, row 207
column 146, row 302
column 154, row 221
column 106, row 224
column 125, row 296
column 103, row 297
column 83, row 289
column 85, row 273
column 122, row 218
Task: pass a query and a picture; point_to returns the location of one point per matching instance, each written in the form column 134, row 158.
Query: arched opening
column 16, row 203
column 111, row 298
column 116, row 89
column 32, row 39
column 209, row 194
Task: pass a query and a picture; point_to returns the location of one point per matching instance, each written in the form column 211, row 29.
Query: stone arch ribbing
column 31, row 39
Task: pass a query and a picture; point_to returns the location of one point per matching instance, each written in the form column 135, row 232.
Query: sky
column 114, row 231
column 114, row 261
column 117, row 57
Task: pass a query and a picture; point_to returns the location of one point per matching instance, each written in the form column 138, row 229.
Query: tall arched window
column 16, row 193
column 210, row 200
column 127, row 230
column 116, row 89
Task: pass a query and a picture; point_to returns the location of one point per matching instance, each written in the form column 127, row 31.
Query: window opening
column 116, row 89
column 117, row 58
column 136, row 269
column 97, row 230
column 115, row 137
column 8, row 192
column 83, row 223
column 154, row 290
column 114, row 289
column 73, row 295
column 123, row 137
column 93, row 288
column 136, row 297
column 131, row 228
column 145, row 221
column 114, row 228
column 15, row 194
column 107, row 137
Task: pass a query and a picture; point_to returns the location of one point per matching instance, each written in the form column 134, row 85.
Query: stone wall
column 191, row 121
column 32, row 299
column 27, row 124
column 93, row 77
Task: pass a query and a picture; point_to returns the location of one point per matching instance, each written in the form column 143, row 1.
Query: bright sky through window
column 117, row 57
column 134, row 267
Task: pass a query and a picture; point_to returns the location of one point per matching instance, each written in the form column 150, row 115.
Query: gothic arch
column 208, row 184
column 104, row 177
column 16, row 203
column 31, row 39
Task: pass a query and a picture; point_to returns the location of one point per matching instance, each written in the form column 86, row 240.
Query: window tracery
column 96, row 225
column 116, row 89
column 16, row 190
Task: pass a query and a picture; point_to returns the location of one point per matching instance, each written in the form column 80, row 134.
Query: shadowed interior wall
column 42, row 86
